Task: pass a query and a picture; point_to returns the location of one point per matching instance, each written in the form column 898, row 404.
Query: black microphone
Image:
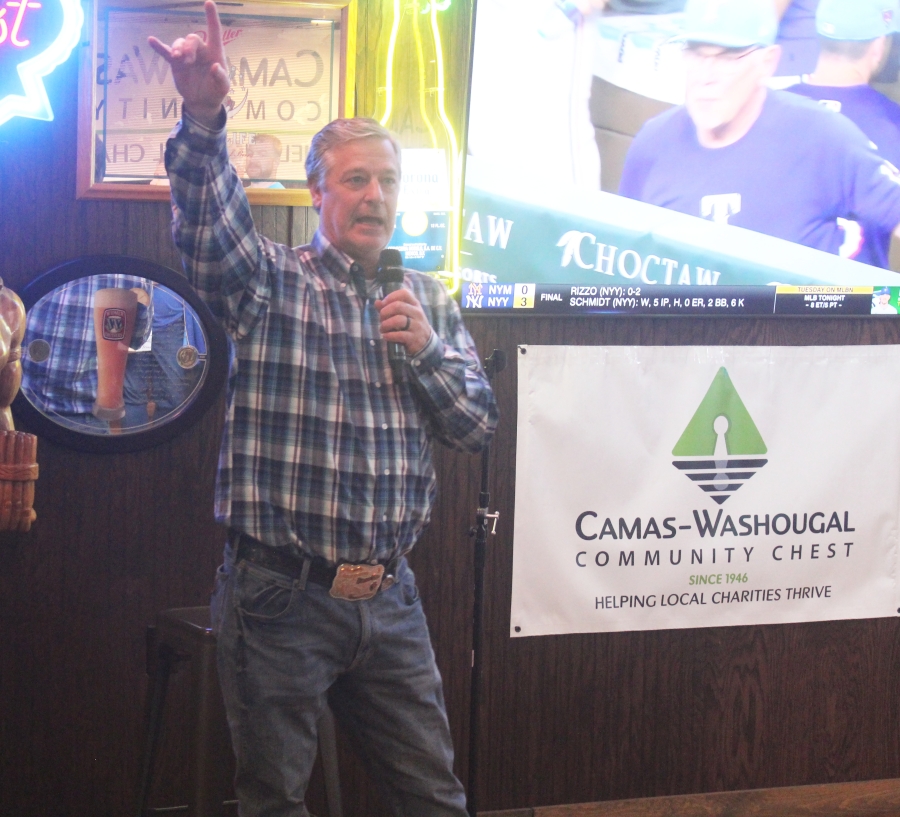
column 390, row 276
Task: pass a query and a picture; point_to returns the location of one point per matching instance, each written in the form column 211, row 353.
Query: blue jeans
column 283, row 648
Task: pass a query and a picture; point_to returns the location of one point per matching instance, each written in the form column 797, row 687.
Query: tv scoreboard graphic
column 572, row 299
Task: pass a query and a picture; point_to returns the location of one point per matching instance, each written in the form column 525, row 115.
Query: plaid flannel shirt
column 323, row 448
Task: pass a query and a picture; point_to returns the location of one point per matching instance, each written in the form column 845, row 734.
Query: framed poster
column 699, row 486
column 291, row 69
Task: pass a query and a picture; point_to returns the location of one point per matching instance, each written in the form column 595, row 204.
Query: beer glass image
column 114, row 316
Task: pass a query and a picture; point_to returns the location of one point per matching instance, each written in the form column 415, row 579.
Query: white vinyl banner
column 671, row 487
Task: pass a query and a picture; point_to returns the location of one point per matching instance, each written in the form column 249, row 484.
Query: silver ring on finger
column 405, row 328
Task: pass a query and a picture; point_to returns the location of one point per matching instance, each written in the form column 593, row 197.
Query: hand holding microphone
column 390, row 276
column 403, row 323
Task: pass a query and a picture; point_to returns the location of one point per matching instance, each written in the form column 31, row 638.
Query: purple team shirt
column 797, row 172
column 878, row 118
column 873, row 113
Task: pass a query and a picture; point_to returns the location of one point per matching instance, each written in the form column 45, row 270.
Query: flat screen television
column 557, row 98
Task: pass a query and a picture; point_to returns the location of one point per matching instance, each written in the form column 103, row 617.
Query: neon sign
column 14, row 38
column 36, row 37
column 412, row 92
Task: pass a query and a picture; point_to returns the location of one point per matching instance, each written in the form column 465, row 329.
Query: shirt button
column 384, row 518
column 416, row 362
column 384, row 426
column 371, row 343
column 377, row 384
column 387, row 472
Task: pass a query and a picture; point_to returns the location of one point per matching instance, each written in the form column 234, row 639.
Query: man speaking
column 855, row 37
column 740, row 153
column 325, row 474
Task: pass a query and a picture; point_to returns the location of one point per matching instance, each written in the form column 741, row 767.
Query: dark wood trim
column 872, row 797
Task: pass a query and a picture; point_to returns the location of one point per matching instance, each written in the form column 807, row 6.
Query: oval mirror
column 119, row 354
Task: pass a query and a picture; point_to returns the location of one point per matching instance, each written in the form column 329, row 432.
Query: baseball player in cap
column 881, row 302
column 855, row 40
column 740, row 153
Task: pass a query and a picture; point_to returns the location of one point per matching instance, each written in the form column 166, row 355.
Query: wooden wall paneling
column 304, row 222
column 369, row 32
column 118, row 538
column 272, row 222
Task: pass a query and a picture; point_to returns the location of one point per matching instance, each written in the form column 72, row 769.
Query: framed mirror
column 291, row 66
column 119, row 354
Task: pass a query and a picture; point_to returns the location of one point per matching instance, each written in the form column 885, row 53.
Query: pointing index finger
column 214, row 32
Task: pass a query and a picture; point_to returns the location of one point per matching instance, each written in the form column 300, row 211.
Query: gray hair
column 337, row 133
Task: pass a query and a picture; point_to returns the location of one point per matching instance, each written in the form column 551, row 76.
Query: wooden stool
column 181, row 636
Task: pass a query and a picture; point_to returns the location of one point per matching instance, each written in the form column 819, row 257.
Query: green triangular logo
column 721, row 448
column 742, row 438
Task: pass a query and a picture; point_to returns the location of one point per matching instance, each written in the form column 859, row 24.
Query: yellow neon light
column 455, row 165
column 453, row 238
column 389, row 68
column 421, row 60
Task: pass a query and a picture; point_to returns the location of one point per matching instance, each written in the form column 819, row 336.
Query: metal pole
column 492, row 366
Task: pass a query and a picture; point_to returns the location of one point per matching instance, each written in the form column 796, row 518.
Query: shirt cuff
column 429, row 357
column 198, row 138
column 196, row 124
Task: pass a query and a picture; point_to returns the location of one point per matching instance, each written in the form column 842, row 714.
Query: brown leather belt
column 353, row 582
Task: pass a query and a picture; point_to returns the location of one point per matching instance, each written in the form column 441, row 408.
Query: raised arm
column 198, row 68
column 223, row 256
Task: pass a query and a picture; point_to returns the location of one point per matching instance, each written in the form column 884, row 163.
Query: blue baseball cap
column 856, row 19
column 731, row 23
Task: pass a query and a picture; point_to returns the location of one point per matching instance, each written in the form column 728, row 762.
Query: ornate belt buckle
column 356, row 582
